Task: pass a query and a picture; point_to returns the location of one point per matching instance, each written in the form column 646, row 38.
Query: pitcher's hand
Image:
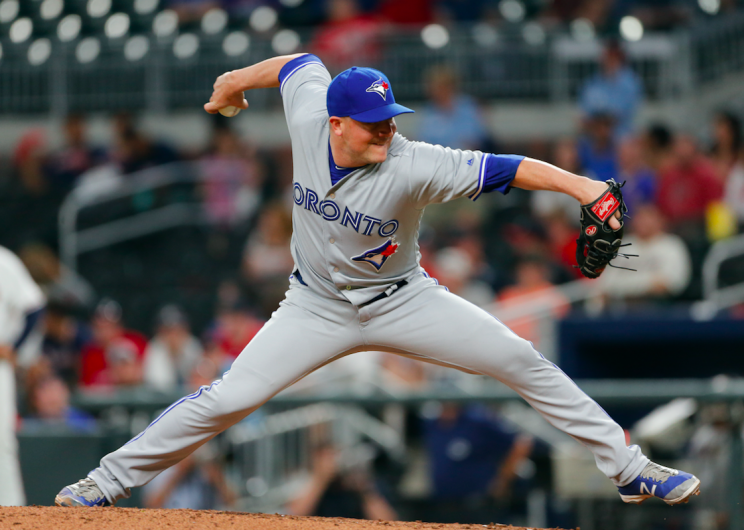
column 226, row 93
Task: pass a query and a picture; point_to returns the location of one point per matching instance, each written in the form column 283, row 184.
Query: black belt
column 388, row 292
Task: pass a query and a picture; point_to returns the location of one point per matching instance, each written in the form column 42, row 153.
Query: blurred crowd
column 370, row 14
column 684, row 189
column 344, row 31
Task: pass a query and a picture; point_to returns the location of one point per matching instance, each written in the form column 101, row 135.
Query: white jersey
column 19, row 295
column 354, row 239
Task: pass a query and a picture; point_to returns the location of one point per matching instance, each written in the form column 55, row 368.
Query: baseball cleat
column 83, row 493
column 670, row 485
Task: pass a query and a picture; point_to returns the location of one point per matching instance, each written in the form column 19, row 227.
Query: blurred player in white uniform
column 21, row 303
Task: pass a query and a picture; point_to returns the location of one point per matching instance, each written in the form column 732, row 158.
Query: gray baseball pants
column 421, row 320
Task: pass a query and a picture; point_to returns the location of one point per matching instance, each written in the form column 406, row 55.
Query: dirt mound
column 45, row 518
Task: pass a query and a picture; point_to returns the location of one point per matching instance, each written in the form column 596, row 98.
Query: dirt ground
column 47, row 518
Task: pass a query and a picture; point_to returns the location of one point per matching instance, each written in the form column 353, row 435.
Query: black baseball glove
column 598, row 244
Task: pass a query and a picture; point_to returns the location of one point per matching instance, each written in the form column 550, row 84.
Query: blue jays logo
column 379, row 255
column 379, row 87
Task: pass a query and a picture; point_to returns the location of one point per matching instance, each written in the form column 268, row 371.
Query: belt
column 388, row 292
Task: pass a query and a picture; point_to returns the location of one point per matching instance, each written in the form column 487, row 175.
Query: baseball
column 229, row 111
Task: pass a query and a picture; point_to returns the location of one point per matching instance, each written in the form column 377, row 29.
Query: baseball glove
column 598, row 244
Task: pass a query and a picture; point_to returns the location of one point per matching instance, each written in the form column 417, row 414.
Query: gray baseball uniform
column 355, row 242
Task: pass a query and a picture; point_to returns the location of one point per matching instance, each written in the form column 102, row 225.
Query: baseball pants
column 422, row 320
column 11, row 485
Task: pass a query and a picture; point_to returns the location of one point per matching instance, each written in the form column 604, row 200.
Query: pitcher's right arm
column 229, row 87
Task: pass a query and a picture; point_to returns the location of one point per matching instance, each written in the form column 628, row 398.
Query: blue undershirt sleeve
column 295, row 64
column 500, row 172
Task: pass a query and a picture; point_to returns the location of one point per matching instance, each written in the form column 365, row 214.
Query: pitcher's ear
column 336, row 125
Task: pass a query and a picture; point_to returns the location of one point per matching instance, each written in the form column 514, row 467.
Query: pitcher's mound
column 47, row 517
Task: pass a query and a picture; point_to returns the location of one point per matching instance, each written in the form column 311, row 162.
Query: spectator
column 114, row 356
column 526, row 237
column 173, row 353
column 64, row 339
column 75, row 157
column 734, row 193
column 207, row 370
column 597, row 150
column 562, row 234
column 29, row 160
column 233, row 179
column 197, row 483
column 727, row 157
column 472, row 244
column 124, row 363
column 49, row 402
column 533, row 284
column 548, row 203
column 615, row 91
column 566, row 11
column 337, row 492
column 663, row 261
column 459, row 11
column 237, row 324
column 658, row 143
column 135, row 151
column 474, row 457
column 348, row 37
column 402, row 373
column 59, row 283
column 726, row 151
column 451, row 119
column 687, row 186
column 267, row 258
column 455, row 269
column 408, row 13
column 640, row 181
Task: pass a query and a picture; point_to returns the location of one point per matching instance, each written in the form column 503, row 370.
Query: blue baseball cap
column 363, row 94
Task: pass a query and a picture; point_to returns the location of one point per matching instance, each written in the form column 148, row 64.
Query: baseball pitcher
column 360, row 190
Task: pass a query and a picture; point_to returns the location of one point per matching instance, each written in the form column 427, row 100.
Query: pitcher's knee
column 232, row 402
column 522, row 357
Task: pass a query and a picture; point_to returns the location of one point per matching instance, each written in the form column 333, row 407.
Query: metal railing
column 274, row 450
column 535, row 316
column 717, row 297
column 129, row 221
column 273, row 457
column 492, row 62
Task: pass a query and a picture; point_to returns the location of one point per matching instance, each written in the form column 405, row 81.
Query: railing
column 273, row 456
column 535, row 316
column 272, row 453
column 716, row 297
column 130, row 222
column 539, row 313
column 493, row 62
